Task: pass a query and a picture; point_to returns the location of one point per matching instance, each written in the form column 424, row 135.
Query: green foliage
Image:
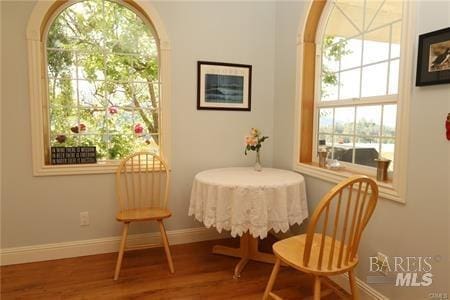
column 333, row 49
column 103, row 73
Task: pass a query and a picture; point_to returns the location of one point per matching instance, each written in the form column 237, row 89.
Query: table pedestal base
column 248, row 250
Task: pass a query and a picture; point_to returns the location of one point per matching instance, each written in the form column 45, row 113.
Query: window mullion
column 332, row 134
column 362, row 51
column 354, row 135
column 381, row 130
column 375, row 15
column 389, row 60
column 77, row 137
column 365, row 101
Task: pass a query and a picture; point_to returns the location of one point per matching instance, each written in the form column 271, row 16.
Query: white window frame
column 38, row 91
column 396, row 189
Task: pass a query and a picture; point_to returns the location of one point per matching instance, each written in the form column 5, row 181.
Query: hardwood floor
column 199, row 274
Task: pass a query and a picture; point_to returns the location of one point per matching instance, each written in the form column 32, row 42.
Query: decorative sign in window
column 73, row 155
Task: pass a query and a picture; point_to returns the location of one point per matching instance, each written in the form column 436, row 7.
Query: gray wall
column 419, row 228
column 38, row 210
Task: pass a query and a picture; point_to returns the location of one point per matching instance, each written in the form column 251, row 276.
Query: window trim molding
column 304, row 104
column 40, row 16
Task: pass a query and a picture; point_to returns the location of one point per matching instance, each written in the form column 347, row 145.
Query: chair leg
column 317, row 288
column 123, row 242
column 353, row 288
column 166, row 246
column 272, row 278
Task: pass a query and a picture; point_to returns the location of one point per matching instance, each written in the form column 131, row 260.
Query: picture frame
column 433, row 59
column 223, row 86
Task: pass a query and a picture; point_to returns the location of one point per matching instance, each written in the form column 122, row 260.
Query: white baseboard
column 366, row 292
column 18, row 255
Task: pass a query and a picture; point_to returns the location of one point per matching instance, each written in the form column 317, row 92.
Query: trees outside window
column 103, row 80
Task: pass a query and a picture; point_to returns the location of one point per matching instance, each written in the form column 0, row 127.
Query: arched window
column 351, row 102
column 101, row 83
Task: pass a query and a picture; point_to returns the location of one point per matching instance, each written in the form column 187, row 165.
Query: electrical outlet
column 84, row 218
column 383, row 263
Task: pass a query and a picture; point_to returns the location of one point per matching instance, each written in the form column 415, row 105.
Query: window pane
column 62, row 92
column 122, row 122
column 393, row 77
column 61, row 64
column 389, row 119
column 120, row 67
column 91, row 66
column 94, row 120
column 349, row 84
column 351, row 53
column 330, row 57
column 388, row 150
column 81, row 25
column 344, row 120
column 396, row 39
column 376, row 46
column 374, row 80
column 118, row 95
column 122, row 34
column 91, row 93
column 145, row 95
column 354, row 10
column 372, row 9
column 328, row 138
column 366, row 151
column 326, row 120
column 145, row 68
column 343, row 148
column 62, row 119
column 120, row 146
column 368, row 120
column 339, row 25
column 329, row 91
column 148, row 121
column 63, row 140
column 389, row 12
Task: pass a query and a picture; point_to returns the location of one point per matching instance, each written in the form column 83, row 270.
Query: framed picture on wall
column 433, row 59
column 223, row 86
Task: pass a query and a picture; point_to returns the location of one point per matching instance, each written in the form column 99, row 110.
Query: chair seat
column 142, row 214
column 291, row 251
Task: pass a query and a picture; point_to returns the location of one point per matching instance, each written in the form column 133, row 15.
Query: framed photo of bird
column 433, row 59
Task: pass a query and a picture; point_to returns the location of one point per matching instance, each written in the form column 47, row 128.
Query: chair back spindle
column 350, row 204
column 142, row 180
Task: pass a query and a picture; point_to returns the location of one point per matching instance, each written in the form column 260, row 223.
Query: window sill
column 387, row 190
column 82, row 169
column 105, row 167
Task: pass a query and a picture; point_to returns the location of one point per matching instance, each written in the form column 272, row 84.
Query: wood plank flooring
column 199, row 274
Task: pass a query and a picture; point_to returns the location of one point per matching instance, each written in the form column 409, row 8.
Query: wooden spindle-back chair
column 331, row 242
column 142, row 189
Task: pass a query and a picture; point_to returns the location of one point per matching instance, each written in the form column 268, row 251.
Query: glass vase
column 258, row 167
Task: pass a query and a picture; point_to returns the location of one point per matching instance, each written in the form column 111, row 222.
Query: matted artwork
column 433, row 60
column 223, row 86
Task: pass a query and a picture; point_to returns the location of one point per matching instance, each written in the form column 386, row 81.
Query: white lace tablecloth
column 241, row 199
